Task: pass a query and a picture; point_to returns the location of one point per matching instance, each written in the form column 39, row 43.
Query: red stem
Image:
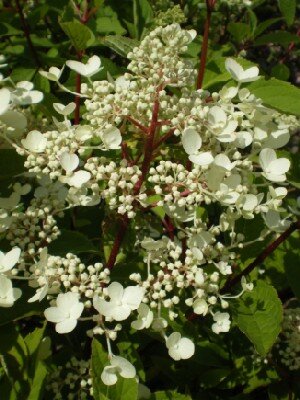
column 136, row 123
column 148, row 150
column 209, row 8
column 149, row 145
column 117, row 242
column 261, row 257
column 167, row 223
column 164, row 138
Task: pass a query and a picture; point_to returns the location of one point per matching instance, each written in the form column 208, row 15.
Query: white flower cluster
column 229, row 141
column 289, row 341
column 53, row 274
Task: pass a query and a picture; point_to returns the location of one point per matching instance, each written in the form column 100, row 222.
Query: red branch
column 136, row 123
column 261, row 257
column 167, row 223
column 117, row 242
column 164, row 138
column 148, row 151
column 210, row 4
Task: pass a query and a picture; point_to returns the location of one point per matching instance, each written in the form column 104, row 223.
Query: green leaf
column 277, row 94
column 41, row 83
column 36, row 390
column 215, row 72
column 108, row 25
column 265, row 25
column 80, row 35
column 288, row 10
column 121, row 45
column 125, row 389
column 282, row 38
column 13, row 358
column 169, row 394
column 142, row 15
column 99, row 360
column 71, row 242
column 239, row 31
column 33, row 340
column 11, row 163
column 9, row 30
column 22, row 74
column 258, row 315
column 281, row 72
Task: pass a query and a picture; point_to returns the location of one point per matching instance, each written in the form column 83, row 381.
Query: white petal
column 138, row 324
column 127, row 370
column 40, row 294
column 192, row 33
column 35, row 141
column 83, row 133
column 275, row 177
column 191, row 141
column 112, row 138
column 33, row 97
column 279, row 166
column 5, row 286
column 250, row 75
column 10, row 259
column 26, row 85
column 79, row 178
column 64, row 110
column 278, row 139
column 69, row 161
column 115, row 291
column 250, row 202
column 234, row 68
column 133, row 295
column 4, row 100
column 186, row 348
column 216, row 116
column 173, row 339
column 200, row 307
column 109, row 375
column 243, row 139
column 54, row 314
column 266, row 156
column 202, row 158
column 120, row 313
column 104, row 307
column 90, row 68
column 53, row 74
column 174, row 353
column 222, row 161
column 66, row 301
column 76, row 66
column 76, row 310
column 66, row 326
